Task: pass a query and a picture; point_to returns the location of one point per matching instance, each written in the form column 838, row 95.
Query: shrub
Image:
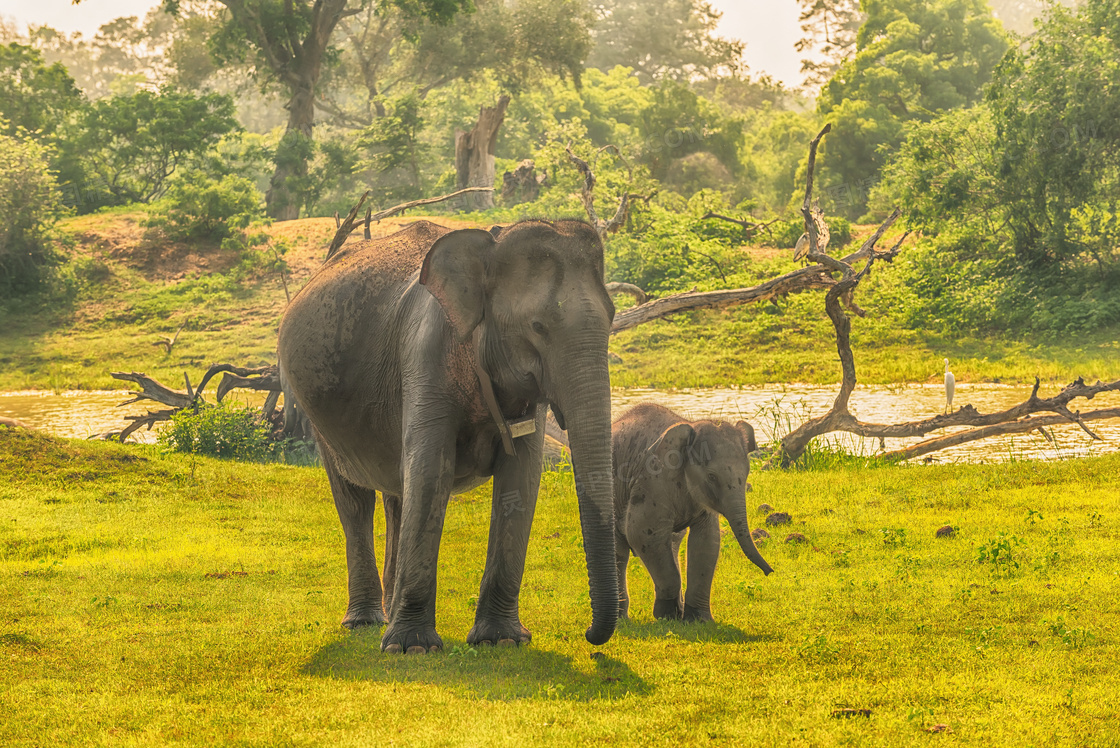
column 29, row 205
column 201, row 207
column 219, row 431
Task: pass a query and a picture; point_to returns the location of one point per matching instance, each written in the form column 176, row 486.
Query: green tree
column 678, row 123
column 914, row 59
column 515, row 42
column 35, row 97
column 130, row 146
column 1016, row 197
column 662, row 40
column 1056, row 113
column 828, row 29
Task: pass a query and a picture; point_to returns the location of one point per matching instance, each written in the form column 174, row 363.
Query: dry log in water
column 150, row 389
column 1028, row 423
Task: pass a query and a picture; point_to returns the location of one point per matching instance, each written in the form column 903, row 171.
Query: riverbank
column 129, row 290
column 149, row 599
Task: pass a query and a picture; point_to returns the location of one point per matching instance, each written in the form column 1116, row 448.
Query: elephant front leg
column 428, row 469
column 517, row 480
column 703, row 553
column 657, row 552
column 355, row 507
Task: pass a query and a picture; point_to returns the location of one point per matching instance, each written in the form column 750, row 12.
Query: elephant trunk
column 584, row 398
column 738, row 521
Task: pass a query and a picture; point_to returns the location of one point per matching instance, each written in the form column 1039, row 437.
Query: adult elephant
column 411, row 355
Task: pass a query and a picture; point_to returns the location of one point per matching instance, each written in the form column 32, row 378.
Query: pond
column 771, row 409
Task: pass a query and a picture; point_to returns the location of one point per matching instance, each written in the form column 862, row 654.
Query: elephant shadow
column 694, row 632
column 497, row 674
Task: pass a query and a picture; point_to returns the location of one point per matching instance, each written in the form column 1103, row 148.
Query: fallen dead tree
column 265, row 378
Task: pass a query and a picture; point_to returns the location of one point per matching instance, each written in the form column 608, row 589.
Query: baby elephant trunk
column 746, row 542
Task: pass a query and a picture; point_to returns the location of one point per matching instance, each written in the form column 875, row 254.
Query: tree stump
column 523, row 184
column 474, row 154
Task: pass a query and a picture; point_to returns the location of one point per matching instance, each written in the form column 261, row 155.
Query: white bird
column 950, row 387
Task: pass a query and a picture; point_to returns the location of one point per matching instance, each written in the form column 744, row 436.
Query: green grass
column 155, row 600
column 762, row 344
column 117, row 312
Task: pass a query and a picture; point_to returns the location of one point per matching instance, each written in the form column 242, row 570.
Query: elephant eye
column 539, row 329
column 713, row 478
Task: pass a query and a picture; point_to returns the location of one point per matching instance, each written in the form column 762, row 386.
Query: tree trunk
column 474, row 154
column 522, row 185
column 285, row 196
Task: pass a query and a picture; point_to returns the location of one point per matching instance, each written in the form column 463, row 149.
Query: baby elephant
column 675, row 474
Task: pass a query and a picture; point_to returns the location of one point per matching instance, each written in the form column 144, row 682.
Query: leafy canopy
column 662, row 40
column 130, row 145
column 914, row 59
column 35, row 98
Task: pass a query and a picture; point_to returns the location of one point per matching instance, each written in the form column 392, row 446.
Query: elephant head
column 533, row 298
column 715, row 463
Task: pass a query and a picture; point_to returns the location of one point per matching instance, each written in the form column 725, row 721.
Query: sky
column 769, row 27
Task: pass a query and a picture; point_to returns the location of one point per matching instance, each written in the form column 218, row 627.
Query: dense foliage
column 1002, row 155
column 914, row 59
column 1017, row 196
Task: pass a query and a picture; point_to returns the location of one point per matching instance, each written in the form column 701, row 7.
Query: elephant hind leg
column 355, row 506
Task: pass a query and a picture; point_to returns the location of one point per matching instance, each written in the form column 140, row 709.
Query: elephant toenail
column 506, row 643
column 433, row 649
column 416, row 649
column 393, row 649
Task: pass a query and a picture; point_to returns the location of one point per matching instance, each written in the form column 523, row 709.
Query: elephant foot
column 357, row 618
column 503, row 633
column 670, row 609
column 400, row 638
column 697, row 615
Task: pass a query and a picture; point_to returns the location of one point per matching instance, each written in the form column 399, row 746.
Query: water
column 769, row 408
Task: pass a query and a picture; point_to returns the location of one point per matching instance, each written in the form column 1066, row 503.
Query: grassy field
column 157, row 600
column 131, row 290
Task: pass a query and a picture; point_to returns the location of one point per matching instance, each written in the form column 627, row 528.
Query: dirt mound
column 122, row 239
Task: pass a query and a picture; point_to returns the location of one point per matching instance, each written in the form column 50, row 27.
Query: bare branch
column 351, row 223
column 629, row 289
column 168, row 343
column 150, row 389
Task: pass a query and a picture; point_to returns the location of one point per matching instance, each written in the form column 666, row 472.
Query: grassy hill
column 129, row 288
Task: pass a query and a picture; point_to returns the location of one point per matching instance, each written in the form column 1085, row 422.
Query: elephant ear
column 454, row 270
column 748, row 434
column 674, row 444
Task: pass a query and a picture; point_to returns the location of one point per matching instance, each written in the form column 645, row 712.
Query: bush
column 219, row 431
column 202, row 207
column 29, row 205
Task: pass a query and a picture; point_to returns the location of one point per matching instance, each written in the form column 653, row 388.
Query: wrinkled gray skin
column 673, row 475
column 379, row 349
